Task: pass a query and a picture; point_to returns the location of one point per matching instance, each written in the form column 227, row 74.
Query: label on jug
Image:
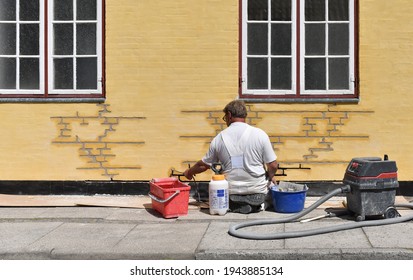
column 219, row 199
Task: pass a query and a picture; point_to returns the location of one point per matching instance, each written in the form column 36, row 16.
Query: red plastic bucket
column 170, row 197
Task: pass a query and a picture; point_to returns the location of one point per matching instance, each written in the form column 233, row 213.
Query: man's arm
column 272, row 169
column 199, row 167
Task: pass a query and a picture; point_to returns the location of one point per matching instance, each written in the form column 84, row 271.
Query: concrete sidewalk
column 129, row 234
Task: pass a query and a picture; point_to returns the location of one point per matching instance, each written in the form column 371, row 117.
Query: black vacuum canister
column 373, row 184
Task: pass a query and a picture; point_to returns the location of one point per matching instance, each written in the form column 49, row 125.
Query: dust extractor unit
column 370, row 185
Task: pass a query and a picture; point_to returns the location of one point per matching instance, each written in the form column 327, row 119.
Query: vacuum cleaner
column 370, row 185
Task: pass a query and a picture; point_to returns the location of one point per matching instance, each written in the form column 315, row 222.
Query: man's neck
column 234, row 120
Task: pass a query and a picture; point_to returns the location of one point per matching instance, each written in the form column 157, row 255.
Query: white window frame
column 51, row 56
column 46, row 89
column 351, row 57
column 245, row 55
column 296, row 91
column 40, row 56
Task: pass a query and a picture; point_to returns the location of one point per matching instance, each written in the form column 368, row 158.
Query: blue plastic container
column 288, row 202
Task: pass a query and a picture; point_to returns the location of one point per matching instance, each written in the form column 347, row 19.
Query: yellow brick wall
column 171, row 66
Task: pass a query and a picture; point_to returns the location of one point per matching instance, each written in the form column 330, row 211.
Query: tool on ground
column 330, row 213
column 371, row 188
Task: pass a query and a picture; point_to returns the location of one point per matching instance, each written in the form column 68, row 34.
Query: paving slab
column 21, row 212
column 162, row 241
column 17, row 236
column 354, row 238
column 391, row 236
column 81, row 240
column 217, row 243
column 76, row 213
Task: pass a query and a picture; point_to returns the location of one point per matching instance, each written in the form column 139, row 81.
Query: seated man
column 243, row 151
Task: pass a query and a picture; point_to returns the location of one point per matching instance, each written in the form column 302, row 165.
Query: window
column 298, row 49
column 51, row 48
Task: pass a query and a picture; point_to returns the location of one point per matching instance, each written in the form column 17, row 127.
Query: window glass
column 8, row 73
column 7, row 10
column 281, row 73
column 315, row 10
column 86, row 39
column 281, row 10
column 258, row 70
column 338, row 39
column 63, row 9
column 257, row 9
column 8, row 38
column 338, row 73
column 86, row 73
column 315, row 74
column 63, row 73
column 29, row 39
column 281, row 39
column 315, row 39
column 338, row 10
column 257, row 39
column 86, row 10
column 29, row 10
column 63, row 39
column 29, row 73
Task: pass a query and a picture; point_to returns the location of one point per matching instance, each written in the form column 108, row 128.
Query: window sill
column 301, row 100
column 51, row 100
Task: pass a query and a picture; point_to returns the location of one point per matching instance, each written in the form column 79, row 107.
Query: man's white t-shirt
column 257, row 150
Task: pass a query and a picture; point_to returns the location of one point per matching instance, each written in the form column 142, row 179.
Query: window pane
column 257, row 73
column 338, row 10
column 29, row 10
column 8, row 10
column 7, row 39
column 86, row 9
column 315, row 73
column 29, row 73
column 315, row 10
column 281, row 39
column 7, row 73
column 257, row 9
column 63, row 39
column 63, row 9
column 281, row 73
column 86, row 73
column 86, row 38
column 257, row 38
column 339, row 73
column 338, row 39
column 63, row 73
column 29, row 39
column 281, row 10
column 315, row 39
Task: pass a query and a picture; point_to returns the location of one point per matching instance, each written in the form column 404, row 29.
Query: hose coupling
column 346, row 189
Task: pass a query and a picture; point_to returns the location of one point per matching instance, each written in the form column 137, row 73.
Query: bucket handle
column 163, row 200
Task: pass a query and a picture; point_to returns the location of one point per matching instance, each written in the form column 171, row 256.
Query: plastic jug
column 218, row 195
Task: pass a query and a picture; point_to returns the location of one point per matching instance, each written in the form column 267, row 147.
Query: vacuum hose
column 233, row 230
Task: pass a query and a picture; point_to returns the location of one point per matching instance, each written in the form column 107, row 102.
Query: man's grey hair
column 237, row 109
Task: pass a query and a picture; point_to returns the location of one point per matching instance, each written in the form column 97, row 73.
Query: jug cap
column 218, row 177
